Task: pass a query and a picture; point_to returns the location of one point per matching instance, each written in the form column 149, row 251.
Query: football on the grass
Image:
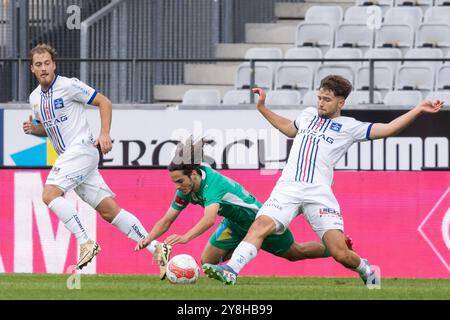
column 182, row 269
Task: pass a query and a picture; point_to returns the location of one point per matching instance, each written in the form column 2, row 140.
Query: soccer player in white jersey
column 321, row 137
column 58, row 104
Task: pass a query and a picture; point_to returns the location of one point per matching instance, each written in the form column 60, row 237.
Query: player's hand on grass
column 176, row 239
column 28, row 125
column 142, row 244
column 261, row 93
column 105, row 142
column 428, row 106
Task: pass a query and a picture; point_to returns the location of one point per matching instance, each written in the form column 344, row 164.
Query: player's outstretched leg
column 334, row 240
column 130, row 225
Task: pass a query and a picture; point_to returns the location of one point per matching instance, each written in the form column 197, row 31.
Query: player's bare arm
column 206, row 222
column 159, row 228
column 383, row 130
column 283, row 124
column 105, row 106
column 36, row 130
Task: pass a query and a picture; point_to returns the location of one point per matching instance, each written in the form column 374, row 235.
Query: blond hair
column 42, row 48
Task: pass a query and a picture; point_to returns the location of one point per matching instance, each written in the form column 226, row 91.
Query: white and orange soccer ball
column 182, row 269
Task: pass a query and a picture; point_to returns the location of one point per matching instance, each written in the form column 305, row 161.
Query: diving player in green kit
column 198, row 183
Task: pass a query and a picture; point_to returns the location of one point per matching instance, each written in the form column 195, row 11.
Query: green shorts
column 228, row 235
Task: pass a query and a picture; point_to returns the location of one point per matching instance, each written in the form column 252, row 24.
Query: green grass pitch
column 44, row 286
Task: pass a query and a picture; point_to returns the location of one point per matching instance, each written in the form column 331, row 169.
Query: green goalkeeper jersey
column 236, row 203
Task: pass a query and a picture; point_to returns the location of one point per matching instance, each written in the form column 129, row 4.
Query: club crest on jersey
column 59, row 103
column 336, row 126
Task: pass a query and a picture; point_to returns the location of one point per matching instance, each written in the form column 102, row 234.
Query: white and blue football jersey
column 61, row 111
column 319, row 144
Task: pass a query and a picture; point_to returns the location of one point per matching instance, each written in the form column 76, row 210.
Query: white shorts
column 77, row 169
column 317, row 202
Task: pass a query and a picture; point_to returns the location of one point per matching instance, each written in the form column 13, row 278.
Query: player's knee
column 49, row 195
column 341, row 255
column 263, row 226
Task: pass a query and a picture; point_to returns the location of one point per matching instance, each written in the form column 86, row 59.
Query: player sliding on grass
column 220, row 196
column 321, row 137
column 58, row 104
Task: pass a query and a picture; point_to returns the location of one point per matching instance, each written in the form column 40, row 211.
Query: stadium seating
column 441, row 2
column 344, row 53
column 310, row 98
column 355, row 35
column 383, row 79
column 409, row 30
column 201, row 97
column 318, row 28
column 384, row 53
column 315, row 34
column 424, row 53
column 421, row 3
column 443, row 78
column 283, row 97
column 395, row 36
column 264, row 71
column 304, row 53
column 415, row 78
column 436, row 35
column 298, row 75
column 292, row 76
column 403, row 98
column 362, row 97
column 440, row 95
column 332, row 15
column 399, row 27
column 234, row 97
column 326, row 70
column 409, row 15
column 388, row 3
column 437, row 15
column 356, row 14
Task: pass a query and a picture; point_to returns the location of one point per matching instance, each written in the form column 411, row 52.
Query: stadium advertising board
column 400, row 221
column 242, row 139
column 1, row 137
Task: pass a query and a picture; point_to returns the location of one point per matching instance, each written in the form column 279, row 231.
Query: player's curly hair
column 42, row 48
column 188, row 156
column 340, row 86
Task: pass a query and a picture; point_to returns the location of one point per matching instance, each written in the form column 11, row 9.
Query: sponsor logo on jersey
column 54, row 122
column 82, row 89
column 336, row 126
column 317, row 135
column 273, row 203
column 58, row 103
column 225, row 234
column 55, row 170
column 179, row 201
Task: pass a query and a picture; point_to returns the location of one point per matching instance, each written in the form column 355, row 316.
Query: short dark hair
column 340, row 86
column 188, row 156
column 42, row 48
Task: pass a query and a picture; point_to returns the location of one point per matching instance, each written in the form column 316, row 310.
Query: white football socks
column 132, row 227
column 363, row 268
column 152, row 246
column 68, row 215
column 243, row 254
